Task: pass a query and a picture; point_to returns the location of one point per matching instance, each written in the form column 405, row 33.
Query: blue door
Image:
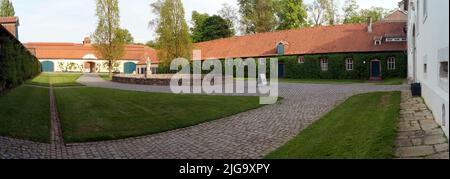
column 376, row 70
column 48, row 66
column 281, row 70
column 129, row 67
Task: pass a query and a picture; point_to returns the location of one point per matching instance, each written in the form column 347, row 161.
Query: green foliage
column 198, row 19
column 257, row 15
column 354, row 15
column 109, row 39
column 125, row 35
column 337, row 70
column 173, row 39
column 16, row 64
column 214, row 27
column 291, row 14
column 7, row 9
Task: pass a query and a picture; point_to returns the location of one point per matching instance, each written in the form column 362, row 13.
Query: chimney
column 86, row 41
column 11, row 24
column 370, row 25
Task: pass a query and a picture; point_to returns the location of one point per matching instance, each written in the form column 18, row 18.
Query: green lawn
column 105, row 76
column 392, row 81
column 364, row 127
column 57, row 79
column 25, row 114
column 321, row 81
column 92, row 114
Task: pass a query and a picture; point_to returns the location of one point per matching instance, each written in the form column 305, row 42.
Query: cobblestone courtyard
column 249, row 135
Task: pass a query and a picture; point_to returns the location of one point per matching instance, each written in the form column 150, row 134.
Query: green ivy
column 336, row 66
column 16, row 64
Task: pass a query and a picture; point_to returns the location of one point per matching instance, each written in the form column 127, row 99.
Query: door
column 129, row 67
column 48, row 66
column 281, row 70
column 375, row 69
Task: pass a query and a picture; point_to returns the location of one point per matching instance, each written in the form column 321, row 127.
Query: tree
column 291, row 14
column 331, row 12
column 126, row 36
column 151, row 44
column 173, row 39
column 375, row 13
column 214, row 27
column 257, row 15
column 198, row 20
column 229, row 14
column 108, row 38
column 7, row 9
column 351, row 14
column 317, row 10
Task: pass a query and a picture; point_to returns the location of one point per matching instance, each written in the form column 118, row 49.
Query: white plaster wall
column 432, row 43
column 100, row 64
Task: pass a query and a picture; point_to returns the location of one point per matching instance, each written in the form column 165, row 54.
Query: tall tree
column 228, row 13
column 317, row 11
column 108, row 38
column 331, row 12
column 351, row 14
column 198, row 19
column 126, row 36
column 7, row 9
column 214, row 27
column 291, row 14
column 257, row 15
column 173, row 39
column 375, row 13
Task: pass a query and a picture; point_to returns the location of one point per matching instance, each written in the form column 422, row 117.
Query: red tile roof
column 316, row 40
column 45, row 50
column 397, row 16
column 5, row 20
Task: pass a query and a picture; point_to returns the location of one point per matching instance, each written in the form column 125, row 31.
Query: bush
column 17, row 64
column 336, row 66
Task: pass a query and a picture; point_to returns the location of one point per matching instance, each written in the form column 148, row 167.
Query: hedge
column 311, row 69
column 17, row 64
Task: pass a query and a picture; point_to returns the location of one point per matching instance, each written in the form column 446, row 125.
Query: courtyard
column 104, row 119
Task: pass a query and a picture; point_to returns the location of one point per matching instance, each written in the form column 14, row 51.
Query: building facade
column 73, row 57
column 428, row 53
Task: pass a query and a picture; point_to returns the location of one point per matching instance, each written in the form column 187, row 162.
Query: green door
column 48, row 66
column 129, row 67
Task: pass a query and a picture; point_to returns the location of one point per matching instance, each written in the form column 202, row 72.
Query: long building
column 428, row 53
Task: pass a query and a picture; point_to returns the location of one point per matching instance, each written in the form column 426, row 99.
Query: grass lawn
column 364, row 127
column 25, row 114
column 105, row 76
column 93, row 114
column 392, row 81
column 57, row 79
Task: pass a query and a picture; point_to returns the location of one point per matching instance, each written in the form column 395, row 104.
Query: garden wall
column 17, row 64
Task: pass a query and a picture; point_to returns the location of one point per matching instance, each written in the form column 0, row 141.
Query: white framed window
column 349, row 64
column 324, row 64
column 391, row 63
column 301, row 59
column 443, row 70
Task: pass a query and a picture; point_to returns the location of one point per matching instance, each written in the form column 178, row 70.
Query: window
column 425, row 10
column 425, row 68
column 324, row 64
column 349, row 64
column 443, row 70
column 391, row 63
column 301, row 59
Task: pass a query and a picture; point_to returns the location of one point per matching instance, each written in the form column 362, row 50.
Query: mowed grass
column 390, row 81
column 56, row 79
column 105, row 76
column 25, row 114
column 364, row 127
column 93, row 114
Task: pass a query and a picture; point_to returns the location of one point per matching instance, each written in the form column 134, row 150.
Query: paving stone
column 442, row 155
column 416, row 151
column 435, row 139
column 441, row 147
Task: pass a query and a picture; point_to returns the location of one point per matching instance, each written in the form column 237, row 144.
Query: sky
column 71, row 20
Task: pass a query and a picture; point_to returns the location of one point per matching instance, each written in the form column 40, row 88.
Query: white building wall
column 61, row 65
column 431, row 41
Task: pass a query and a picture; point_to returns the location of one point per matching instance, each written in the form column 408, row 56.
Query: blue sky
column 71, row 20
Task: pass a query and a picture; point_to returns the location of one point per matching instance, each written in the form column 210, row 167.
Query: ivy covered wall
column 311, row 68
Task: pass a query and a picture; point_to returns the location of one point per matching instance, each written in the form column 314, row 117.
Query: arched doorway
column 89, row 67
column 48, row 66
column 375, row 69
column 129, row 67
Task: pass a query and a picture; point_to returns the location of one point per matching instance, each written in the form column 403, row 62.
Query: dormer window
column 281, row 46
column 377, row 42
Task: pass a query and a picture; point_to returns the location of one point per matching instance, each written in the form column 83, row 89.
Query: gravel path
column 249, row 135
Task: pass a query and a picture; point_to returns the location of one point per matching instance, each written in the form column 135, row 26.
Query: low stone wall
column 155, row 80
